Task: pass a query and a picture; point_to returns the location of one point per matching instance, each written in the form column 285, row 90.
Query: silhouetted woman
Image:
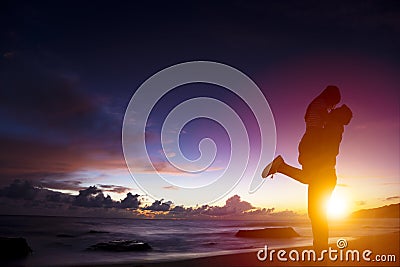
column 315, row 119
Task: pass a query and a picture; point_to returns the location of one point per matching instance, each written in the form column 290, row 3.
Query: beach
column 386, row 244
column 66, row 241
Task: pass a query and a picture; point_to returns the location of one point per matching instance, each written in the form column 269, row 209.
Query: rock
column 121, row 245
column 272, row 232
column 14, row 248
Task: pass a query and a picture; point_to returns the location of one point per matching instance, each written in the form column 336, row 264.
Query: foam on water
column 63, row 240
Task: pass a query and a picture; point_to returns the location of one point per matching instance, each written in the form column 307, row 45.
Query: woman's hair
column 342, row 114
column 331, row 95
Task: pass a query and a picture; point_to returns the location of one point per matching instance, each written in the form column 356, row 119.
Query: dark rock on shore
column 14, row 248
column 273, row 232
column 121, row 245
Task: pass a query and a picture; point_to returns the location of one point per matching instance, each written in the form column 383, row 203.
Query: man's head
column 331, row 95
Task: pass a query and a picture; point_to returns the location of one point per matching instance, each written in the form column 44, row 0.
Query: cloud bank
column 22, row 197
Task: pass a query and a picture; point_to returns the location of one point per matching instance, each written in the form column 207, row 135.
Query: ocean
column 63, row 241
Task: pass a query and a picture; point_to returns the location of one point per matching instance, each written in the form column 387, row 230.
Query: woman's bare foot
column 272, row 167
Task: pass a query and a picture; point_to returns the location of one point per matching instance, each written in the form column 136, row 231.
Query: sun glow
column 337, row 206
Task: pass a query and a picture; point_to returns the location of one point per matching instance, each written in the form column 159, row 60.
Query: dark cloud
column 47, row 100
column 24, row 190
column 233, row 205
column 159, row 205
column 19, row 189
column 91, row 197
column 238, row 204
column 51, row 125
column 130, row 202
column 393, row 198
column 58, row 197
column 178, row 209
column 72, row 185
column 30, row 199
column 113, row 188
column 38, row 158
column 94, row 197
column 262, row 211
column 51, row 164
column 285, row 213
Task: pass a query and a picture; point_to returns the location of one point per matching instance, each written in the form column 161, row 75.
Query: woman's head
column 342, row 115
column 331, row 95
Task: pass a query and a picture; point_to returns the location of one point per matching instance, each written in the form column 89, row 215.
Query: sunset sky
column 69, row 69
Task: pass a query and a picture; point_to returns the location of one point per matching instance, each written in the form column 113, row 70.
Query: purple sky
column 69, row 69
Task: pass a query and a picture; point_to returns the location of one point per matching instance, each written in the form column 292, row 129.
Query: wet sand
column 382, row 245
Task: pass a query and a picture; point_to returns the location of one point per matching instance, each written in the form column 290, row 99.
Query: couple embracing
column 318, row 149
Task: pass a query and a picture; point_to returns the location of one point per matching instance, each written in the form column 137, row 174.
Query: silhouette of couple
column 318, row 149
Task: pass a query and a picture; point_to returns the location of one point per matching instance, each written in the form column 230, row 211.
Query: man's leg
column 317, row 212
column 319, row 194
